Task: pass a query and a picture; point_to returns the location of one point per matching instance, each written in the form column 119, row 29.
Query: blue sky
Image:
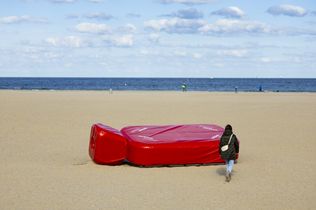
column 158, row 38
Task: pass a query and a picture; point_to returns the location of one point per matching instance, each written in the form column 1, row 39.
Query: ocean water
column 174, row 84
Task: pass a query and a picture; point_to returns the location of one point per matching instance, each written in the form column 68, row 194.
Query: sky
column 158, row 38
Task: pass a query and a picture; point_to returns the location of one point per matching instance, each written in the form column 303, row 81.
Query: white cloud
column 154, row 38
column 93, row 28
column 128, row 28
column 183, row 53
column 133, row 15
column 21, row 19
column 299, row 31
column 197, row 55
column 124, row 41
column 73, row 16
column 99, row 16
column 96, row 16
column 144, row 52
column 289, row 10
column 239, row 53
column 230, row 12
column 63, row 1
column 96, row 1
column 77, row 42
column 222, row 26
column 14, row 19
column 120, row 41
column 190, row 13
column 180, row 53
column 51, row 55
column 190, row 2
column 175, row 25
column 229, row 26
column 265, row 60
column 52, row 41
column 69, row 41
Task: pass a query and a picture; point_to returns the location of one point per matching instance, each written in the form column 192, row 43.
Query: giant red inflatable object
column 173, row 144
column 156, row 145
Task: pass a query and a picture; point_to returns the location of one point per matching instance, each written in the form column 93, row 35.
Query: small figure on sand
column 184, row 87
column 229, row 149
column 260, row 88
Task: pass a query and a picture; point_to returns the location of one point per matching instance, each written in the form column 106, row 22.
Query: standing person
column 229, row 153
column 184, row 87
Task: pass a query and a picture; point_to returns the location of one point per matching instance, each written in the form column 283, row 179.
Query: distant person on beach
column 184, row 87
column 228, row 148
column 260, row 88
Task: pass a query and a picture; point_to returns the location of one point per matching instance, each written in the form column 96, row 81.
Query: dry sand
column 44, row 137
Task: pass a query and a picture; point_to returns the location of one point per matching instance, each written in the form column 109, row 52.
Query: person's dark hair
column 228, row 130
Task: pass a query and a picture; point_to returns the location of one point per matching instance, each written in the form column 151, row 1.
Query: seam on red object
column 165, row 130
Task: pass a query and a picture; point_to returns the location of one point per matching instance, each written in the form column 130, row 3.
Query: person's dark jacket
column 233, row 147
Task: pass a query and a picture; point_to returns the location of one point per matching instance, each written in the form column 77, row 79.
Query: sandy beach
column 44, row 137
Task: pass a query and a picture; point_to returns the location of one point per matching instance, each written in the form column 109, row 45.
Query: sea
column 161, row 84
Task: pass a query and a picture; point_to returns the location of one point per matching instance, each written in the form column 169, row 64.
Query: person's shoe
column 227, row 177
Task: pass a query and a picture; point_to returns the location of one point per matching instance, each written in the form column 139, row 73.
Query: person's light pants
column 229, row 165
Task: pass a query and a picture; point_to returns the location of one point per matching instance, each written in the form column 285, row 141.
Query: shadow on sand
column 170, row 166
column 83, row 161
column 221, row 171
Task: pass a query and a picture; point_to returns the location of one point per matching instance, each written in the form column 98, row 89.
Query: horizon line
column 116, row 77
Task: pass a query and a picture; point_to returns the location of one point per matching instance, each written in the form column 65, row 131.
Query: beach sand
column 44, row 138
